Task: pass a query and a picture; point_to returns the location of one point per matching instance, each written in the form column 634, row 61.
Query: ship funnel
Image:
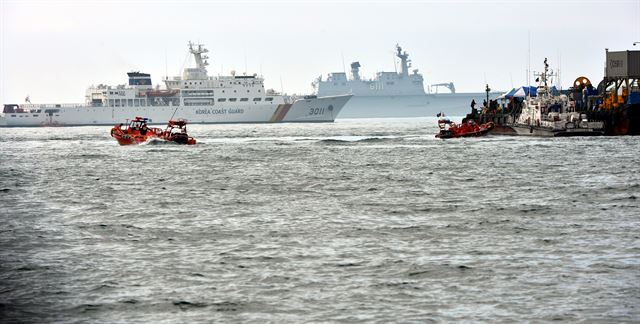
column 140, row 80
column 355, row 70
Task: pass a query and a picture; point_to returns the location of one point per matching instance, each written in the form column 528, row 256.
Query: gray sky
column 53, row 50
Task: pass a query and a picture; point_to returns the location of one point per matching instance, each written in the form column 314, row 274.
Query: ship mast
column 404, row 58
column 201, row 60
column 543, row 78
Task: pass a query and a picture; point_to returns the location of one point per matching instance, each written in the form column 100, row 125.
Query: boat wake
column 357, row 139
column 160, row 142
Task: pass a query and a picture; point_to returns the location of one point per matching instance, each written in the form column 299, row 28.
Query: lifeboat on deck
column 135, row 132
column 449, row 129
column 177, row 132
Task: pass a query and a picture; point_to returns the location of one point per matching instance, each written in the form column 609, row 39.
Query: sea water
column 361, row 220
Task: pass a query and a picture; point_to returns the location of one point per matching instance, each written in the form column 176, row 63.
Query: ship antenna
column 186, row 60
column 546, row 69
column 395, row 63
column 344, row 67
column 174, row 112
column 281, row 87
column 529, row 67
column 558, row 69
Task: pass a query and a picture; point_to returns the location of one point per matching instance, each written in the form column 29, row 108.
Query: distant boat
column 544, row 112
column 393, row 94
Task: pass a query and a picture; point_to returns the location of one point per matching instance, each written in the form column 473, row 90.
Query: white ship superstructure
column 552, row 115
column 384, row 84
column 394, row 94
column 194, row 96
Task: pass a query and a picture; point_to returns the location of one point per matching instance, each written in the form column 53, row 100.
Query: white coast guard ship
column 195, row 97
column 394, row 94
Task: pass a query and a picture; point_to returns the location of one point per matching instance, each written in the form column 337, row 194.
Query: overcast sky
column 53, row 50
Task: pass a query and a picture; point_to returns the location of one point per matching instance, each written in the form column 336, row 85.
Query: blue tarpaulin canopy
column 522, row 92
column 510, row 93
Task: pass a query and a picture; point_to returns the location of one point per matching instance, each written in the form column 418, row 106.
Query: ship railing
column 41, row 106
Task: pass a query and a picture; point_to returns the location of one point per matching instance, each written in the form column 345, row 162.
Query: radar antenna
column 545, row 77
column 197, row 50
column 404, row 61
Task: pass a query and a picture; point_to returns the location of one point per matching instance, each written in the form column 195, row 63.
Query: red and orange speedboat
column 135, row 132
column 177, row 132
column 449, row 129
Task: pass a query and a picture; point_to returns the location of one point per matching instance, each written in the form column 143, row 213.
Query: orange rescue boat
column 177, row 132
column 135, row 132
column 449, row 129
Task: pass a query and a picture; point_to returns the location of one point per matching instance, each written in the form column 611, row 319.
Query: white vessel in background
column 195, row 97
column 551, row 115
column 393, row 94
column 385, row 83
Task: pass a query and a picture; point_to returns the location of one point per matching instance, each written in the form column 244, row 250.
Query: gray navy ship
column 394, row 94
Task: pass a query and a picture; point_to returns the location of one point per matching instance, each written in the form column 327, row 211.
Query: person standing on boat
column 474, row 111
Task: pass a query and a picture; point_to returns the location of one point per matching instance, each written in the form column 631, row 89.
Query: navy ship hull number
column 316, row 111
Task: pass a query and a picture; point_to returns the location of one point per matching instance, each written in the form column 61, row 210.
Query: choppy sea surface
column 363, row 220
